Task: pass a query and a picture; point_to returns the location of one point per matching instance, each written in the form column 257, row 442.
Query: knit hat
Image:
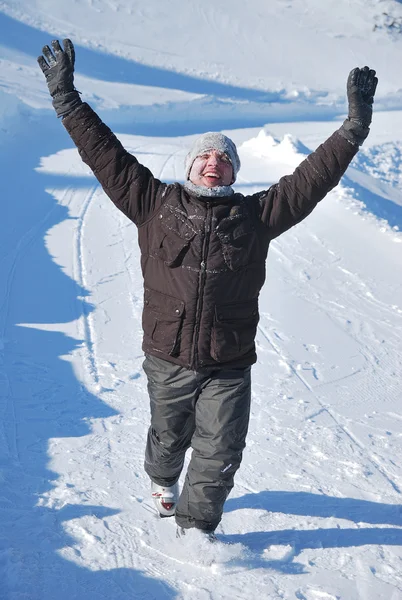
column 213, row 141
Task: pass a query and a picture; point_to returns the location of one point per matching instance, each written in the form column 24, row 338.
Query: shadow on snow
column 220, row 106
column 117, row 69
column 40, row 396
column 377, row 205
column 313, row 505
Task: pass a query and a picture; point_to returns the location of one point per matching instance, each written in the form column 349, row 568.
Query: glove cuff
column 66, row 103
column 354, row 131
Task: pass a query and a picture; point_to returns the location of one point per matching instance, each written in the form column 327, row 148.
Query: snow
column 316, row 509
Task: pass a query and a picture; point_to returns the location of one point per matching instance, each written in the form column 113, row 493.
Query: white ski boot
column 165, row 498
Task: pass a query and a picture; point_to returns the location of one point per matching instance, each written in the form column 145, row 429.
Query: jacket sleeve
column 130, row 185
column 294, row 197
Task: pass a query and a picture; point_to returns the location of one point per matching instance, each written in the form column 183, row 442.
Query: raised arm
column 130, row 185
column 294, row 197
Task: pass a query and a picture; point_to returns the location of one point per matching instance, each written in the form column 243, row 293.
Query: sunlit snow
column 316, row 510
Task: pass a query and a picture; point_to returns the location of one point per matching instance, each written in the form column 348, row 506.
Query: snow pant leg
column 222, row 418
column 172, row 391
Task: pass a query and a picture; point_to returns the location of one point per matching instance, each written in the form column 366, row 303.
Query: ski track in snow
column 88, row 332
column 371, row 351
column 375, row 462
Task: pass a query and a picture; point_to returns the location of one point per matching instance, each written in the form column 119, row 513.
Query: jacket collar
column 203, row 192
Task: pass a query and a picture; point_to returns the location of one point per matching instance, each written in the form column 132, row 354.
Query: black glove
column 361, row 88
column 58, row 69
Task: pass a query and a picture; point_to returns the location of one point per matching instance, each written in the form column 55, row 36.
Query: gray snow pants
column 208, row 411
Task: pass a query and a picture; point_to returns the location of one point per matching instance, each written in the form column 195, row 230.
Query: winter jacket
column 203, row 259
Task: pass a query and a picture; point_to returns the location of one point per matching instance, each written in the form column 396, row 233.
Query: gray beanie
column 213, row 141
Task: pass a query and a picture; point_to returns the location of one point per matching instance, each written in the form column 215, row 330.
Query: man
column 203, row 251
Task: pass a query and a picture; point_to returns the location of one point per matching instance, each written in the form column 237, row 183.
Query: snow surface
column 316, row 510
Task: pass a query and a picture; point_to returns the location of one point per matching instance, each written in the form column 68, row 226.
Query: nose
column 212, row 160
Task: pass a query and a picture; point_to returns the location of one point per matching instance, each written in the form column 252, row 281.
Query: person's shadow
column 360, row 512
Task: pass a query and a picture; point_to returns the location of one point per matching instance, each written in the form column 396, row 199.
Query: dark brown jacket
column 203, row 259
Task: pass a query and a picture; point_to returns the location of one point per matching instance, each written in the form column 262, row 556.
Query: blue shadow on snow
column 211, row 111
column 91, row 63
column 377, row 205
column 314, row 505
column 41, row 399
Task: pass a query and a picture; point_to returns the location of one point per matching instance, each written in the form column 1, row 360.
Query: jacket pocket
column 234, row 329
column 173, row 237
column 162, row 320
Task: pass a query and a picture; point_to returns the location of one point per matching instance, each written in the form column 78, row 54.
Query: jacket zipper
column 201, row 284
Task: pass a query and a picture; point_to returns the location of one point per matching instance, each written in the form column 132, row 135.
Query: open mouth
column 212, row 175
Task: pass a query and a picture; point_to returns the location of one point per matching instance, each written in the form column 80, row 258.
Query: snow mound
column 383, row 162
column 287, row 150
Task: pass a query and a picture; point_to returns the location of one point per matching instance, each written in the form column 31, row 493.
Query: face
column 211, row 169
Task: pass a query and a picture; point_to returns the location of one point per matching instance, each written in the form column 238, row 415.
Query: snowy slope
column 225, row 44
column 316, row 510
